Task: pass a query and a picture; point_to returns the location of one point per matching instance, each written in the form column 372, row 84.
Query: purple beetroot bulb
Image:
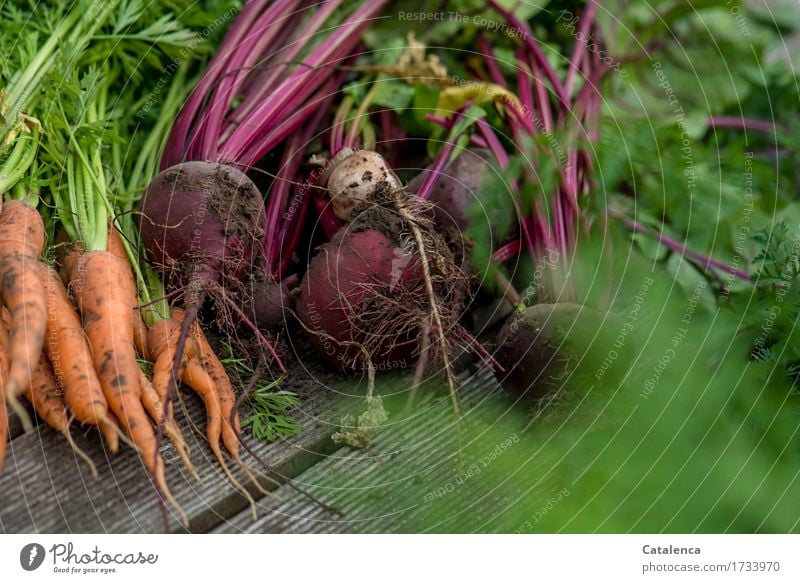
column 202, row 220
column 334, row 293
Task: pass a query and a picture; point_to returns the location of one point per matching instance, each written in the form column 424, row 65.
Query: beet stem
column 524, row 77
column 533, row 45
column 507, row 251
column 442, row 158
column 579, row 51
column 299, row 84
column 491, row 62
column 704, row 261
column 288, row 52
column 742, row 123
column 508, row 291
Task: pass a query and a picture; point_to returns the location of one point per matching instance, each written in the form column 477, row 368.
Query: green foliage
column 491, row 215
column 706, row 60
column 267, row 409
column 395, row 96
column 777, row 262
column 268, row 417
column 773, row 319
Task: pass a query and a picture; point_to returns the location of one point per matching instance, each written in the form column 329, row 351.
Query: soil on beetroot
column 379, row 214
column 445, row 246
column 448, row 241
column 376, row 300
column 195, row 217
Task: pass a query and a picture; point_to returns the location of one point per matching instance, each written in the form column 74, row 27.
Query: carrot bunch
column 38, row 314
column 72, row 351
column 45, row 355
column 79, row 332
column 73, row 340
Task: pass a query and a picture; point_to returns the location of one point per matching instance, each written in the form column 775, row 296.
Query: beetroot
column 202, row 221
column 202, row 224
column 385, row 290
column 550, row 347
column 346, row 275
column 464, row 211
column 457, row 188
column 268, row 302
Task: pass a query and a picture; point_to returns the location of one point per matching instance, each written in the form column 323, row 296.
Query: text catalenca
column 670, row 550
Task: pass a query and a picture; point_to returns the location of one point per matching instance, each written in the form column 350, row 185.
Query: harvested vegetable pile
column 186, row 195
column 80, row 326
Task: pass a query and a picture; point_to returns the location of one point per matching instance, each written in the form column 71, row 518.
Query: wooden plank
column 15, row 425
column 46, row 488
column 420, row 475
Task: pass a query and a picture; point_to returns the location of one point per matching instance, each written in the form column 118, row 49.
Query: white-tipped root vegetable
column 354, row 180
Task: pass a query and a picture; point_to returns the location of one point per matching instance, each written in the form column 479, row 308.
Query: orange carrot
column 21, row 241
column 99, row 284
column 70, row 258
column 201, row 383
column 155, row 408
column 47, row 399
column 103, row 297
column 231, row 426
column 117, row 249
column 48, row 402
column 115, row 245
column 162, row 338
column 21, row 229
column 140, row 336
column 103, row 292
column 71, row 358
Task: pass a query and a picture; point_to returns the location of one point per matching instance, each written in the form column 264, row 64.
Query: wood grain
column 420, row 476
column 47, row 489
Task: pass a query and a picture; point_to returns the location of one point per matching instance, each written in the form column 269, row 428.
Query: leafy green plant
column 267, row 409
column 775, row 317
column 269, row 418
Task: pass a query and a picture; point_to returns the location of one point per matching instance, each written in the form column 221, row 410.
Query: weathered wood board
column 419, row 476
column 48, row 489
column 419, row 457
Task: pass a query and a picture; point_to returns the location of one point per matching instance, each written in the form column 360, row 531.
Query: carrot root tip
column 235, row 483
column 161, row 485
column 80, row 453
column 111, row 433
column 13, row 401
